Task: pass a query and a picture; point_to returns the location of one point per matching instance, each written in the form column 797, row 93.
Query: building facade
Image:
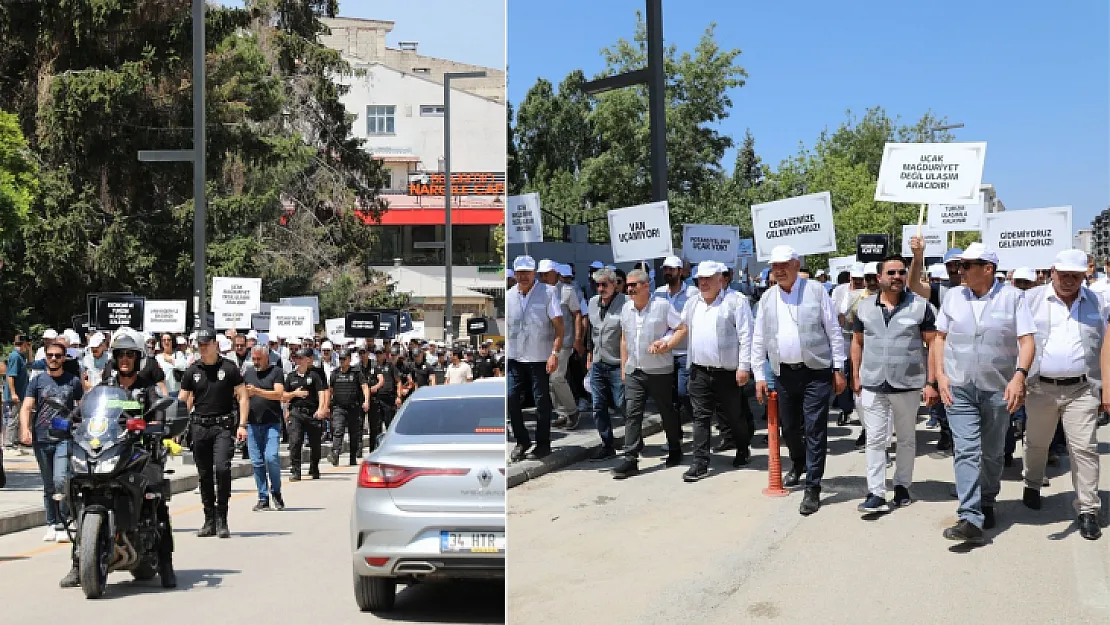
column 1100, row 236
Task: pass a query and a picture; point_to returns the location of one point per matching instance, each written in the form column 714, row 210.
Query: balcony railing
column 435, row 258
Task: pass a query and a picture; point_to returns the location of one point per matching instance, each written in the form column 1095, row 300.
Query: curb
column 563, row 457
column 34, row 516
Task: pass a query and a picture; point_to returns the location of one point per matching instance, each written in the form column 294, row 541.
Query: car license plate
column 471, row 542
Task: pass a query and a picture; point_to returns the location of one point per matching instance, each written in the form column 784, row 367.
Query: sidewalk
column 21, row 500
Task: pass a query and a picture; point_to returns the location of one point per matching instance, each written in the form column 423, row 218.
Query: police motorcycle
column 116, row 488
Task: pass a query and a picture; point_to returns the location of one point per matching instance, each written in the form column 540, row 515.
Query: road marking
column 20, row 557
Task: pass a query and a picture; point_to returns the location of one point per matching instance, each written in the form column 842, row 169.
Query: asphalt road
column 652, row 549
column 279, row 567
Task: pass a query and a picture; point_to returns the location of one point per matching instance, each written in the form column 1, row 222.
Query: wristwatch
column 1024, row 371
column 933, row 384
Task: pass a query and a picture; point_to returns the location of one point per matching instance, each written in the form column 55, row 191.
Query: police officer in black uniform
column 439, row 368
column 210, row 389
column 349, row 391
column 306, row 390
column 422, row 370
column 485, row 365
column 387, row 394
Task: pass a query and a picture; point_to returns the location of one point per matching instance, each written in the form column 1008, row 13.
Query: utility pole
column 197, row 156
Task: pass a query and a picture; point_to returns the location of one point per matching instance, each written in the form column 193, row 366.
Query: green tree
column 19, row 182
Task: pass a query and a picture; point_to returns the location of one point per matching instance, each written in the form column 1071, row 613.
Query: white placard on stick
column 805, row 223
column 1028, row 238
column 523, row 219
column 936, row 241
column 241, row 294
column 640, row 232
column 291, row 322
column 931, row 173
column 334, row 329
column 840, row 263
column 231, row 319
column 702, row 242
column 745, row 248
column 164, row 316
column 956, row 218
column 312, row 301
column 260, row 322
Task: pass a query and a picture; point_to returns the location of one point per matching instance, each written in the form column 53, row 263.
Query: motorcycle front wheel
column 95, row 552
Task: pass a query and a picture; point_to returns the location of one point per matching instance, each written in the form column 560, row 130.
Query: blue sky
column 1032, row 79
column 474, row 33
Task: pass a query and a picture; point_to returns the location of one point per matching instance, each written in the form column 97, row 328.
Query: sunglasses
column 965, row 265
column 55, row 356
column 602, row 284
column 130, row 353
column 896, row 272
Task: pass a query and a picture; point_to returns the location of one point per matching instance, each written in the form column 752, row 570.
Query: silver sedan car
column 430, row 502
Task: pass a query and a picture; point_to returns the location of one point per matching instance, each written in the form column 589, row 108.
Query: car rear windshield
column 466, row 415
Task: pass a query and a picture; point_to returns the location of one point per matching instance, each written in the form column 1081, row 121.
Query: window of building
column 422, row 70
column 431, row 110
column 379, row 119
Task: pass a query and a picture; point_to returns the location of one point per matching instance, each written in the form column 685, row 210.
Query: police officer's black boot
column 209, row 527
column 72, row 579
column 221, row 526
column 165, row 571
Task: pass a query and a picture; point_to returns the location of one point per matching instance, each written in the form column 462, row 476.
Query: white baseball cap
column 820, row 272
column 597, row 264
column 1001, row 275
column 611, row 267
column 708, row 269
column 871, row 269
column 1070, row 260
column 224, row 343
column 978, row 251
column 71, row 337
column 97, row 340
column 252, row 335
column 857, row 270
column 50, row 334
column 327, row 345
column 181, row 340
column 672, row 262
column 545, row 266
column 783, row 254
column 565, row 271
column 360, row 343
column 938, row 271
column 1025, row 273
column 524, row 263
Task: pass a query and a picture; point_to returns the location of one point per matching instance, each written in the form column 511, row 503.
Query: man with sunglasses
column 603, row 358
column 796, row 329
column 982, row 353
column 890, row 369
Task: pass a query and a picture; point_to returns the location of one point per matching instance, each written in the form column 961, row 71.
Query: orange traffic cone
column 774, row 469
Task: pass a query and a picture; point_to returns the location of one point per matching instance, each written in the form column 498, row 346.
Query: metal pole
column 448, row 326
column 657, row 89
column 200, row 304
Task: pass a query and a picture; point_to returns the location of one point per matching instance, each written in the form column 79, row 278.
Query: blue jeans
column 53, row 460
column 1011, row 432
column 979, row 421
column 608, row 392
column 262, row 444
column 681, row 397
column 529, row 377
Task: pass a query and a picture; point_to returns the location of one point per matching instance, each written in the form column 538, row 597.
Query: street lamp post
column 448, row 324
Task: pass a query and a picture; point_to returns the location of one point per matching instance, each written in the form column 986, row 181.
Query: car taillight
column 136, row 424
column 375, row 475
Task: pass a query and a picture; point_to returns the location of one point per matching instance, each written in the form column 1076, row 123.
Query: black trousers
column 302, row 423
column 804, row 410
column 342, row 419
column 714, row 391
column 213, row 446
column 638, row 386
column 747, row 392
column 387, row 408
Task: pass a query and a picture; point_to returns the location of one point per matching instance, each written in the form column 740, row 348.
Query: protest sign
column 872, row 247
column 311, row 301
column 164, row 316
column 931, row 173
column 476, row 326
column 114, row 312
column 1028, row 238
column 231, row 319
column 260, row 322
column 936, row 241
column 239, row 294
column 805, row 223
column 291, row 322
column 640, row 232
column 956, row 218
column 745, row 248
column 524, row 223
column 701, row 242
column 387, row 324
column 92, row 304
column 361, row 325
column 334, row 329
column 838, row 264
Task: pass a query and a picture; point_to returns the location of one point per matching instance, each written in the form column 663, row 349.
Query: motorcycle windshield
column 101, row 410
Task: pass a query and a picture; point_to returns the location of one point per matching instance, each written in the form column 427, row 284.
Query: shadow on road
column 450, row 602
column 119, row 586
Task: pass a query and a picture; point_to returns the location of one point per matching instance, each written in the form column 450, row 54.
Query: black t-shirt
column 439, row 370
column 264, row 411
column 370, row 372
column 149, row 374
column 213, row 387
column 311, row 381
column 347, row 386
column 422, row 373
column 389, row 376
column 484, row 366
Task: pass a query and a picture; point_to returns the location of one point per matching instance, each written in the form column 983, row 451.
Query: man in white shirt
column 535, row 339
column 92, row 365
column 719, row 331
column 985, row 346
column 459, row 371
column 796, row 328
column 677, row 293
column 1070, row 363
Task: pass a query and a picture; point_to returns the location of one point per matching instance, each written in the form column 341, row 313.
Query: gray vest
column 607, row 334
column 655, row 326
column 728, row 341
column 982, row 352
column 893, row 353
column 531, row 328
column 1090, row 326
column 566, row 294
column 816, row 350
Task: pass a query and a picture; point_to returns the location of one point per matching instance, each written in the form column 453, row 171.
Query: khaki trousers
column 1077, row 405
column 562, row 398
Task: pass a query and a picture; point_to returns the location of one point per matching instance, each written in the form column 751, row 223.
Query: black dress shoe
column 742, row 458
column 988, row 517
column 842, row 420
column 695, row 473
column 1008, row 461
column 627, row 467
column 964, row 532
column 792, row 479
column 604, row 453
column 518, row 452
column 674, row 459
column 811, row 501
column 539, row 452
column 1088, row 526
column 723, row 445
column 1031, row 498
